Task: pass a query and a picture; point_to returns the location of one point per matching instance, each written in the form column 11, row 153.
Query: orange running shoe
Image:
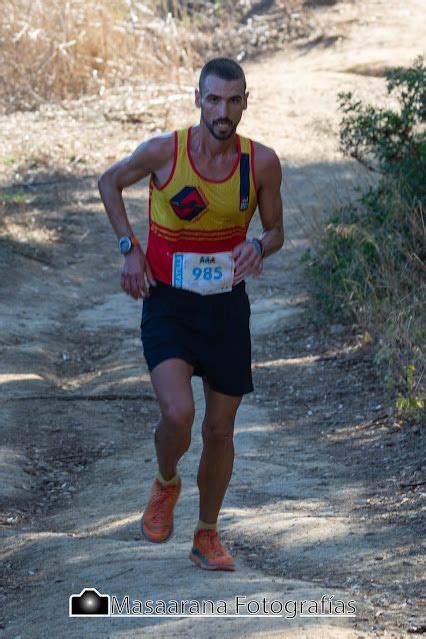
column 208, row 553
column 157, row 520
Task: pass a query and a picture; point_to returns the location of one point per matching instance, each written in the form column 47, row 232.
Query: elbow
column 102, row 180
column 107, row 180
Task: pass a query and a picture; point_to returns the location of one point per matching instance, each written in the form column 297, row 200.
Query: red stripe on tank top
column 204, row 238
column 198, row 232
column 199, row 243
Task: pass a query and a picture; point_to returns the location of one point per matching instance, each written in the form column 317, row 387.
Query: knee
column 218, row 431
column 179, row 416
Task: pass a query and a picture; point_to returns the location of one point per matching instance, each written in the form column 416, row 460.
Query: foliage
column 370, row 263
column 410, row 402
column 390, row 141
column 52, row 51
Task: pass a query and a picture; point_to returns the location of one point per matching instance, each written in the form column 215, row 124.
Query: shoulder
column 267, row 165
column 149, row 157
column 159, row 149
column 265, row 158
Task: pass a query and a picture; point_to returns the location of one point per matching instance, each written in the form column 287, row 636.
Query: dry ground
column 325, row 495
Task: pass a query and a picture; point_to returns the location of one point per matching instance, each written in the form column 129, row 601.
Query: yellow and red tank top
column 191, row 213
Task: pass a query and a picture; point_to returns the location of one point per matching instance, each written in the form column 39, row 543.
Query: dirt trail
column 309, row 510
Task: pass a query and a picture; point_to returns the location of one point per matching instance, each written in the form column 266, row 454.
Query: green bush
column 389, row 141
column 370, row 263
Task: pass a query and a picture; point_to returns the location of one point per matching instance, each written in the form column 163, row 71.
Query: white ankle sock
column 203, row 526
column 168, row 482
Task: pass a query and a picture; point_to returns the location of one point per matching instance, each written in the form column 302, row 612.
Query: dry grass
column 373, row 273
column 53, row 50
column 394, row 311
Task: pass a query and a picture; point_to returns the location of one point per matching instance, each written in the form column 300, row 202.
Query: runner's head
column 221, row 96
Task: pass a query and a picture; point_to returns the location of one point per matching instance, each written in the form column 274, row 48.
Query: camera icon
column 89, row 603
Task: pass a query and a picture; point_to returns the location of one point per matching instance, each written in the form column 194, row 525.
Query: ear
column 197, row 98
column 245, row 100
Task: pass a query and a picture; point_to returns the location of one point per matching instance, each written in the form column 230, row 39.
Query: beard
column 219, row 135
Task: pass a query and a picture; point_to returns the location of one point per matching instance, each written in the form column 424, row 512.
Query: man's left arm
column 250, row 254
column 270, row 203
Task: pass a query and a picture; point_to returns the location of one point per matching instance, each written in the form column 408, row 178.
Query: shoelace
column 214, row 543
column 160, row 498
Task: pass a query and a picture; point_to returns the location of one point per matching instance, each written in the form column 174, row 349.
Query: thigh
column 171, row 380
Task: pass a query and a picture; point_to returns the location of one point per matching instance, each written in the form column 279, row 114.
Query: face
column 222, row 103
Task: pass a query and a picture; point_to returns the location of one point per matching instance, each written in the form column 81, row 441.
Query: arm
column 148, row 157
column 270, row 202
column 269, row 178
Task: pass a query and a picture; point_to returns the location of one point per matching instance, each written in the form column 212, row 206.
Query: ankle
column 168, row 482
column 202, row 525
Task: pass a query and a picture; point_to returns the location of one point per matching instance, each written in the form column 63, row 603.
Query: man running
column 206, row 182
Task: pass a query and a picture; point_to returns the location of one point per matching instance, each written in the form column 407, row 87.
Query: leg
column 217, row 458
column 214, row 474
column 172, row 384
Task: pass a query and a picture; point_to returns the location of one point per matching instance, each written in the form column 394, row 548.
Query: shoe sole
column 156, row 541
column 199, row 562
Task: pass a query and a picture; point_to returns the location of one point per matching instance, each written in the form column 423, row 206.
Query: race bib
column 203, row 274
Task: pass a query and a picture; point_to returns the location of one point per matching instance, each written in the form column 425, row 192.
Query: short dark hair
column 223, row 68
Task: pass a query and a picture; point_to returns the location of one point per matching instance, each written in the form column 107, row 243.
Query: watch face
column 125, row 245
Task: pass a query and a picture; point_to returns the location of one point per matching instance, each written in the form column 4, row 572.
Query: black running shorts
column 210, row 332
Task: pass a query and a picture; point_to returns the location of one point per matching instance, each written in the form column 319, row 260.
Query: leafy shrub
column 392, row 142
column 370, row 264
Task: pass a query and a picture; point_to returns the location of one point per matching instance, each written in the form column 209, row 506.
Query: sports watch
column 125, row 244
column 258, row 244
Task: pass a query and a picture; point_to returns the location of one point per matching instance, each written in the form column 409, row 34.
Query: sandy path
column 288, row 508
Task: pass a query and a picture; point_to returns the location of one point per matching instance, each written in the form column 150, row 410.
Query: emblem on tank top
column 244, row 202
column 244, row 181
column 189, row 203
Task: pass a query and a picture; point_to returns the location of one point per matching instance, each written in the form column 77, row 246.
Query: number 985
column 207, row 273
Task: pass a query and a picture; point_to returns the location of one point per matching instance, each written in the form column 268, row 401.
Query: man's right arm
column 148, row 157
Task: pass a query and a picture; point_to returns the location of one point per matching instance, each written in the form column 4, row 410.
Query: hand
column 136, row 276
column 247, row 262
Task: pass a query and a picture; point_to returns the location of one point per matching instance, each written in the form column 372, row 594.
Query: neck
column 204, row 142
